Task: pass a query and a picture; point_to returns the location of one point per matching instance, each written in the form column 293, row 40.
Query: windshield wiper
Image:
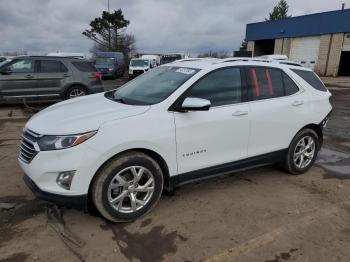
column 119, row 99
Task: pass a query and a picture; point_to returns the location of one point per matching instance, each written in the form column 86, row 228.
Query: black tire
column 75, row 88
column 290, row 165
column 100, row 188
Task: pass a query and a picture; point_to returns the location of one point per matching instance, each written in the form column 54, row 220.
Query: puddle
column 136, row 245
column 336, row 163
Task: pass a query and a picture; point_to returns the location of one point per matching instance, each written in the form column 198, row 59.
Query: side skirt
column 223, row 169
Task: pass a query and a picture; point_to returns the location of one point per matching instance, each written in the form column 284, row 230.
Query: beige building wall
column 336, row 47
column 323, row 55
column 286, row 46
column 250, row 46
column 278, row 46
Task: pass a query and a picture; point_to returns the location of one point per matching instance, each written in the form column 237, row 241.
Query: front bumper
column 79, row 202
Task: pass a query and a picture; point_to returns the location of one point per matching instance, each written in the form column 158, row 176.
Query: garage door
column 305, row 51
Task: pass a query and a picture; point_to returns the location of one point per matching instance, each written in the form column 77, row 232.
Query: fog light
column 64, row 179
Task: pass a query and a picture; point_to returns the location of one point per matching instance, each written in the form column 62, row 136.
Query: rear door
column 19, row 81
column 52, row 77
column 278, row 109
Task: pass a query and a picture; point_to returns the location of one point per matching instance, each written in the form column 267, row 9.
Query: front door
column 18, row 80
column 218, row 136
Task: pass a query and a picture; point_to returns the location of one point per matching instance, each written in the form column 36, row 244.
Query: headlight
column 110, row 69
column 47, row 143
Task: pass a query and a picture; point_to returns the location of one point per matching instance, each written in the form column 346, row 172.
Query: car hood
column 80, row 115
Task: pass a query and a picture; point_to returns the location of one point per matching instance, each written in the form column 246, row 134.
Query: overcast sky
column 159, row 25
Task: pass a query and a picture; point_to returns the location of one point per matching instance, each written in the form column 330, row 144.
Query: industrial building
column 319, row 41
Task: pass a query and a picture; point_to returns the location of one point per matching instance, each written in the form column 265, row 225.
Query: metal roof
column 301, row 26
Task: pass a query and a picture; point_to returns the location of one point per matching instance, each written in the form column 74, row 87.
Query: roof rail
column 196, row 59
column 253, row 59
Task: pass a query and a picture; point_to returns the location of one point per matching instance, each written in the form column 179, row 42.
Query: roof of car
column 201, row 63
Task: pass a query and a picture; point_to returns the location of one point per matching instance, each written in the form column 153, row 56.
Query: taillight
column 97, row 75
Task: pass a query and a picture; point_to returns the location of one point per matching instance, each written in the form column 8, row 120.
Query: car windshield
column 154, row 86
column 139, row 62
column 105, row 60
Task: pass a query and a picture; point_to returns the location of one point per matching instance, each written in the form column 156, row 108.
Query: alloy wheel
column 131, row 189
column 304, row 152
column 76, row 92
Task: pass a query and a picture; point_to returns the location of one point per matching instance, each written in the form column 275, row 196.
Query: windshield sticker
column 185, row 71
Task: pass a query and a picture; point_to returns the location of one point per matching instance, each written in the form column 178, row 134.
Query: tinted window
column 311, row 78
column 222, row 87
column 289, row 85
column 22, row 66
column 84, row 66
column 52, row 66
column 264, row 83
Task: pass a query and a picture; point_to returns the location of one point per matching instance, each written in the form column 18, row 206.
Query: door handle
column 29, row 76
column 240, row 113
column 66, row 75
column 298, row 103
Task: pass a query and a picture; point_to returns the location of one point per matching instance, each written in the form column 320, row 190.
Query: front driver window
column 221, row 87
column 22, row 66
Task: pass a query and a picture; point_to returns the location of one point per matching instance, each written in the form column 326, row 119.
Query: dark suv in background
column 34, row 78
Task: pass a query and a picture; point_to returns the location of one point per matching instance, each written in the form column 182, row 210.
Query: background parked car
column 110, row 64
column 155, row 59
column 47, row 78
column 138, row 66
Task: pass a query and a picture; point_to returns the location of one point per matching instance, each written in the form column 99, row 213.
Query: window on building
column 221, row 87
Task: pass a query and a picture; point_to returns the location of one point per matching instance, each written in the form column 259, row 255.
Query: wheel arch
column 154, row 155
column 318, row 130
column 70, row 85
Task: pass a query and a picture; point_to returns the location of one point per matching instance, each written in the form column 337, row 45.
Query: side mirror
column 195, row 104
column 5, row 71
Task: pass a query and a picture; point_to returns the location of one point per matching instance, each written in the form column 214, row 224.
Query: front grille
column 138, row 72
column 29, row 147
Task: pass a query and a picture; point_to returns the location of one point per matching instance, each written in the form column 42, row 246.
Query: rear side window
column 221, row 87
column 264, row 83
column 84, row 66
column 289, row 85
column 311, row 78
column 52, row 66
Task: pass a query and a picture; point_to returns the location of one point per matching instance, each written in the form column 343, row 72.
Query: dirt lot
column 259, row 215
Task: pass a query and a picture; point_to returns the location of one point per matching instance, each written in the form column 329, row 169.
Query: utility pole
column 109, row 33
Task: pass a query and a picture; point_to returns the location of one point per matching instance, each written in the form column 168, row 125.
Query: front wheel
column 127, row 187
column 302, row 152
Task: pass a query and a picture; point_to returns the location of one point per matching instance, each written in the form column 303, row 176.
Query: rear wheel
column 75, row 91
column 127, row 187
column 302, row 152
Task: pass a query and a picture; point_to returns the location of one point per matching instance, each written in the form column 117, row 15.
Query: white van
column 138, row 66
column 155, row 59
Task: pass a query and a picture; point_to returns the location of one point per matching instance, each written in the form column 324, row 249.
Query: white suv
column 185, row 121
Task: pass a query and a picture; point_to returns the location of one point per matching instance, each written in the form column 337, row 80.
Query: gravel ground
column 257, row 215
